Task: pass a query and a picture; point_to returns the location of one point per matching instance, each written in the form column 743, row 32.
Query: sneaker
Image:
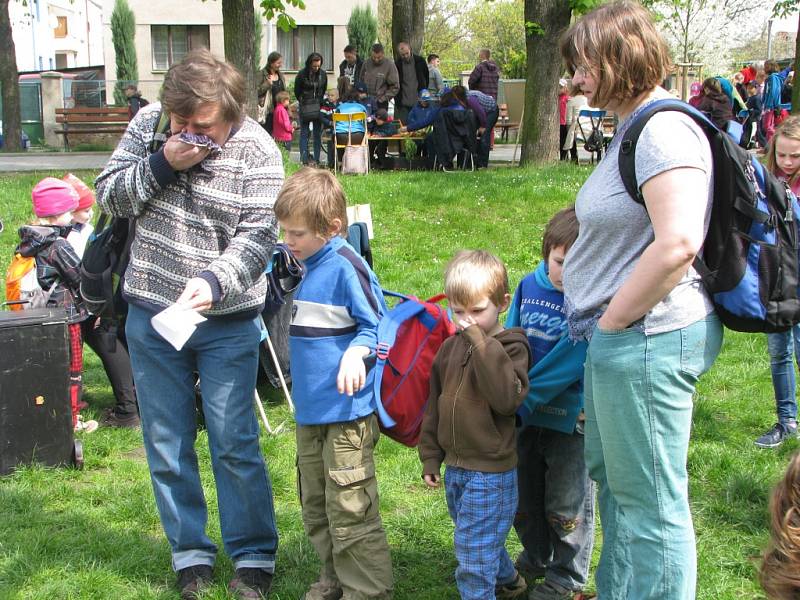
column 775, row 436
column 251, row 583
column 550, row 591
column 513, row 589
column 112, row 419
column 324, row 589
column 86, row 426
column 192, row 581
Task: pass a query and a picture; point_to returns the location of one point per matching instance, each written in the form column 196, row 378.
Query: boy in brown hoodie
column 478, row 379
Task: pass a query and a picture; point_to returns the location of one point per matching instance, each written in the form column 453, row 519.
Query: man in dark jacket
column 486, row 75
column 351, row 66
column 413, row 73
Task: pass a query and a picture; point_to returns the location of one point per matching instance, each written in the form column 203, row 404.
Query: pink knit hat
column 53, row 197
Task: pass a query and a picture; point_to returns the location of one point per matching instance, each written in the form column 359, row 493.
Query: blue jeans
column 781, row 346
column 482, row 507
column 225, row 353
column 555, row 518
column 638, row 393
column 485, row 142
column 317, row 133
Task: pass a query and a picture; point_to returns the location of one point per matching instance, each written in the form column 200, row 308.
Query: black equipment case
column 35, row 412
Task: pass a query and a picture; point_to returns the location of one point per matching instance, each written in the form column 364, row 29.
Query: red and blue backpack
column 409, row 336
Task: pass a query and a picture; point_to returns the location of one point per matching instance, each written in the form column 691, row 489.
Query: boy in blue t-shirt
column 334, row 326
column 555, row 517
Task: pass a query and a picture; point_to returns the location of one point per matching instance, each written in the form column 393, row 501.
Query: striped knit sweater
column 213, row 221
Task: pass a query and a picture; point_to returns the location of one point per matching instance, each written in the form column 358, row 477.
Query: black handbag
column 309, row 110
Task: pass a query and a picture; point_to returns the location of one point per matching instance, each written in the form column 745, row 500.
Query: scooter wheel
column 77, row 454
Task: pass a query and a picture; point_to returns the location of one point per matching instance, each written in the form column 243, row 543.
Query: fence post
column 52, row 98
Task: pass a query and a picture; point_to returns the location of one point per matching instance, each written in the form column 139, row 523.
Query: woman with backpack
column 633, row 295
column 309, row 88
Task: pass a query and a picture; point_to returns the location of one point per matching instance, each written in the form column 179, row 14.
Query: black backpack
column 107, row 253
column 750, row 254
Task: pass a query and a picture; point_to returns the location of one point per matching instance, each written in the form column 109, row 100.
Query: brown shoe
column 324, row 589
column 512, row 589
column 192, row 581
column 251, row 584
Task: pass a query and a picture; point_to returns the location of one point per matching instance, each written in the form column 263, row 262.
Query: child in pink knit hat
column 82, row 227
column 58, row 271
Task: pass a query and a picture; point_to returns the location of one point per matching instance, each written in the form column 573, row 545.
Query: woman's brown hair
column 780, row 568
column 200, row 78
column 619, row 46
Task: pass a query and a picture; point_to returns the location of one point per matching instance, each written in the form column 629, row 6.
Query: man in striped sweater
column 205, row 229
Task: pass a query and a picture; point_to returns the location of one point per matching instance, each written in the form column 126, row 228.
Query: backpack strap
column 160, row 132
column 627, row 149
column 627, row 153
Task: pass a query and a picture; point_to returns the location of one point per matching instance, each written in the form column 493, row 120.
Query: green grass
column 96, row 534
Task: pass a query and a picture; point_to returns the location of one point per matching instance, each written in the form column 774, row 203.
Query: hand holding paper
column 176, row 324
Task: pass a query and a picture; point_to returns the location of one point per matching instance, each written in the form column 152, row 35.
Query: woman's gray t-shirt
column 615, row 230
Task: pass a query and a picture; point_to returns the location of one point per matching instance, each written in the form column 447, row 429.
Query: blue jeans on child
column 638, row 394
column 225, row 353
column 482, row 506
column 555, row 518
column 781, row 346
column 316, row 133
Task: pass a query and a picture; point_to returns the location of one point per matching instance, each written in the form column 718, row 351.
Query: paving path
column 64, row 161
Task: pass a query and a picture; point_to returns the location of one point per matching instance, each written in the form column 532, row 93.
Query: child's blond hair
column 473, row 274
column 790, row 128
column 780, row 568
column 281, row 96
column 315, row 197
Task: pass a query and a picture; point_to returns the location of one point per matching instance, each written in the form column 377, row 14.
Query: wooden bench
column 503, row 123
column 78, row 121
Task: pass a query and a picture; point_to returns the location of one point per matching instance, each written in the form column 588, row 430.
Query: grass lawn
column 96, row 534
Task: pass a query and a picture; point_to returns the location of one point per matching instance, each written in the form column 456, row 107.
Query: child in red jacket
column 281, row 124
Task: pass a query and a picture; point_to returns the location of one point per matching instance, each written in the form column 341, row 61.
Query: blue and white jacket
column 338, row 305
column 555, row 396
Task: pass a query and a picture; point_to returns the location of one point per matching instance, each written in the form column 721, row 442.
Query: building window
column 171, row 43
column 297, row 44
column 61, row 30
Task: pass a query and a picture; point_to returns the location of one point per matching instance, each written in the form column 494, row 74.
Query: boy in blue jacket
column 555, row 517
column 334, row 326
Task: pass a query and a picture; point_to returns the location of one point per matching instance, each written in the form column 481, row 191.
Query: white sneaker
column 85, row 426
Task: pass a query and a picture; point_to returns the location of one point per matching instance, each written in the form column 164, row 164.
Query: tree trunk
column 408, row 23
column 9, row 82
column 238, row 24
column 796, row 86
column 540, row 123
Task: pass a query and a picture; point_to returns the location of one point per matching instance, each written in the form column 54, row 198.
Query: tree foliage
column 123, row 32
column 700, row 30
column 362, row 29
column 276, row 9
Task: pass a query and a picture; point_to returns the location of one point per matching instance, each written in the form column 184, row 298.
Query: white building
column 165, row 31
column 57, row 34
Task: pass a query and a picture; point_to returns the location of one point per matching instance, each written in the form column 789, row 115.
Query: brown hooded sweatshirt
column 477, row 383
